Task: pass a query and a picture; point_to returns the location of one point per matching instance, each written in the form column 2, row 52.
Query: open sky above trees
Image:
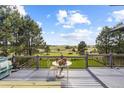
column 68, row 25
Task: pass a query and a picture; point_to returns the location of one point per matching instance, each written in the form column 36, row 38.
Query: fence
column 118, row 60
column 78, row 62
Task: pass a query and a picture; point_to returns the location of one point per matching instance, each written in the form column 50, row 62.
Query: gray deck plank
column 113, row 78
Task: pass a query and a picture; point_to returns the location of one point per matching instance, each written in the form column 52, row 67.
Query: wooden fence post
column 13, row 62
column 86, row 60
column 110, row 60
column 37, row 62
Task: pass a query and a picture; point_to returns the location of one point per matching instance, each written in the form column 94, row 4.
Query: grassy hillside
column 57, row 50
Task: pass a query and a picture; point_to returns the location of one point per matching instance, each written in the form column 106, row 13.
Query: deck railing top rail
column 70, row 56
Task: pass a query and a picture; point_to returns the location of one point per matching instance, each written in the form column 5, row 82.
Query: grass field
column 76, row 63
column 58, row 50
column 58, row 54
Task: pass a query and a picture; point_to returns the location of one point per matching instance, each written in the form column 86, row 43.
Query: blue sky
column 68, row 25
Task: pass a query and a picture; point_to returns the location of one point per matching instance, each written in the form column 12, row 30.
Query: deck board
column 29, row 84
column 113, row 78
column 77, row 77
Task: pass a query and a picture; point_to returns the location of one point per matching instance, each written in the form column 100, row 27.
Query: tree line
column 110, row 41
column 107, row 41
column 19, row 34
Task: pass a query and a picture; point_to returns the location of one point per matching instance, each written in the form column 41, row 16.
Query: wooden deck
column 29, row 84
column 78, row 78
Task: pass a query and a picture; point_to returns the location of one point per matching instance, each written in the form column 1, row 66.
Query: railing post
column 110, row 60
column 86, row 60
column 14, row 62
column 37, row 62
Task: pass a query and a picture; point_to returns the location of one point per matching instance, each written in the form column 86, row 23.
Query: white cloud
column 109, row 19
column 61, row 15
column 78, row 34
column 78, row 18
column 48, row 33
column 118, row 15
column 21, row 10
column 43, row 32
column 99, row 28
column 52, row 32
column 39, row 23
column 67, row 26
column 69, row 19
column 81, row 35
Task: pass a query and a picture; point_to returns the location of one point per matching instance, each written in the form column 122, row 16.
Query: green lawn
column 76, row 63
